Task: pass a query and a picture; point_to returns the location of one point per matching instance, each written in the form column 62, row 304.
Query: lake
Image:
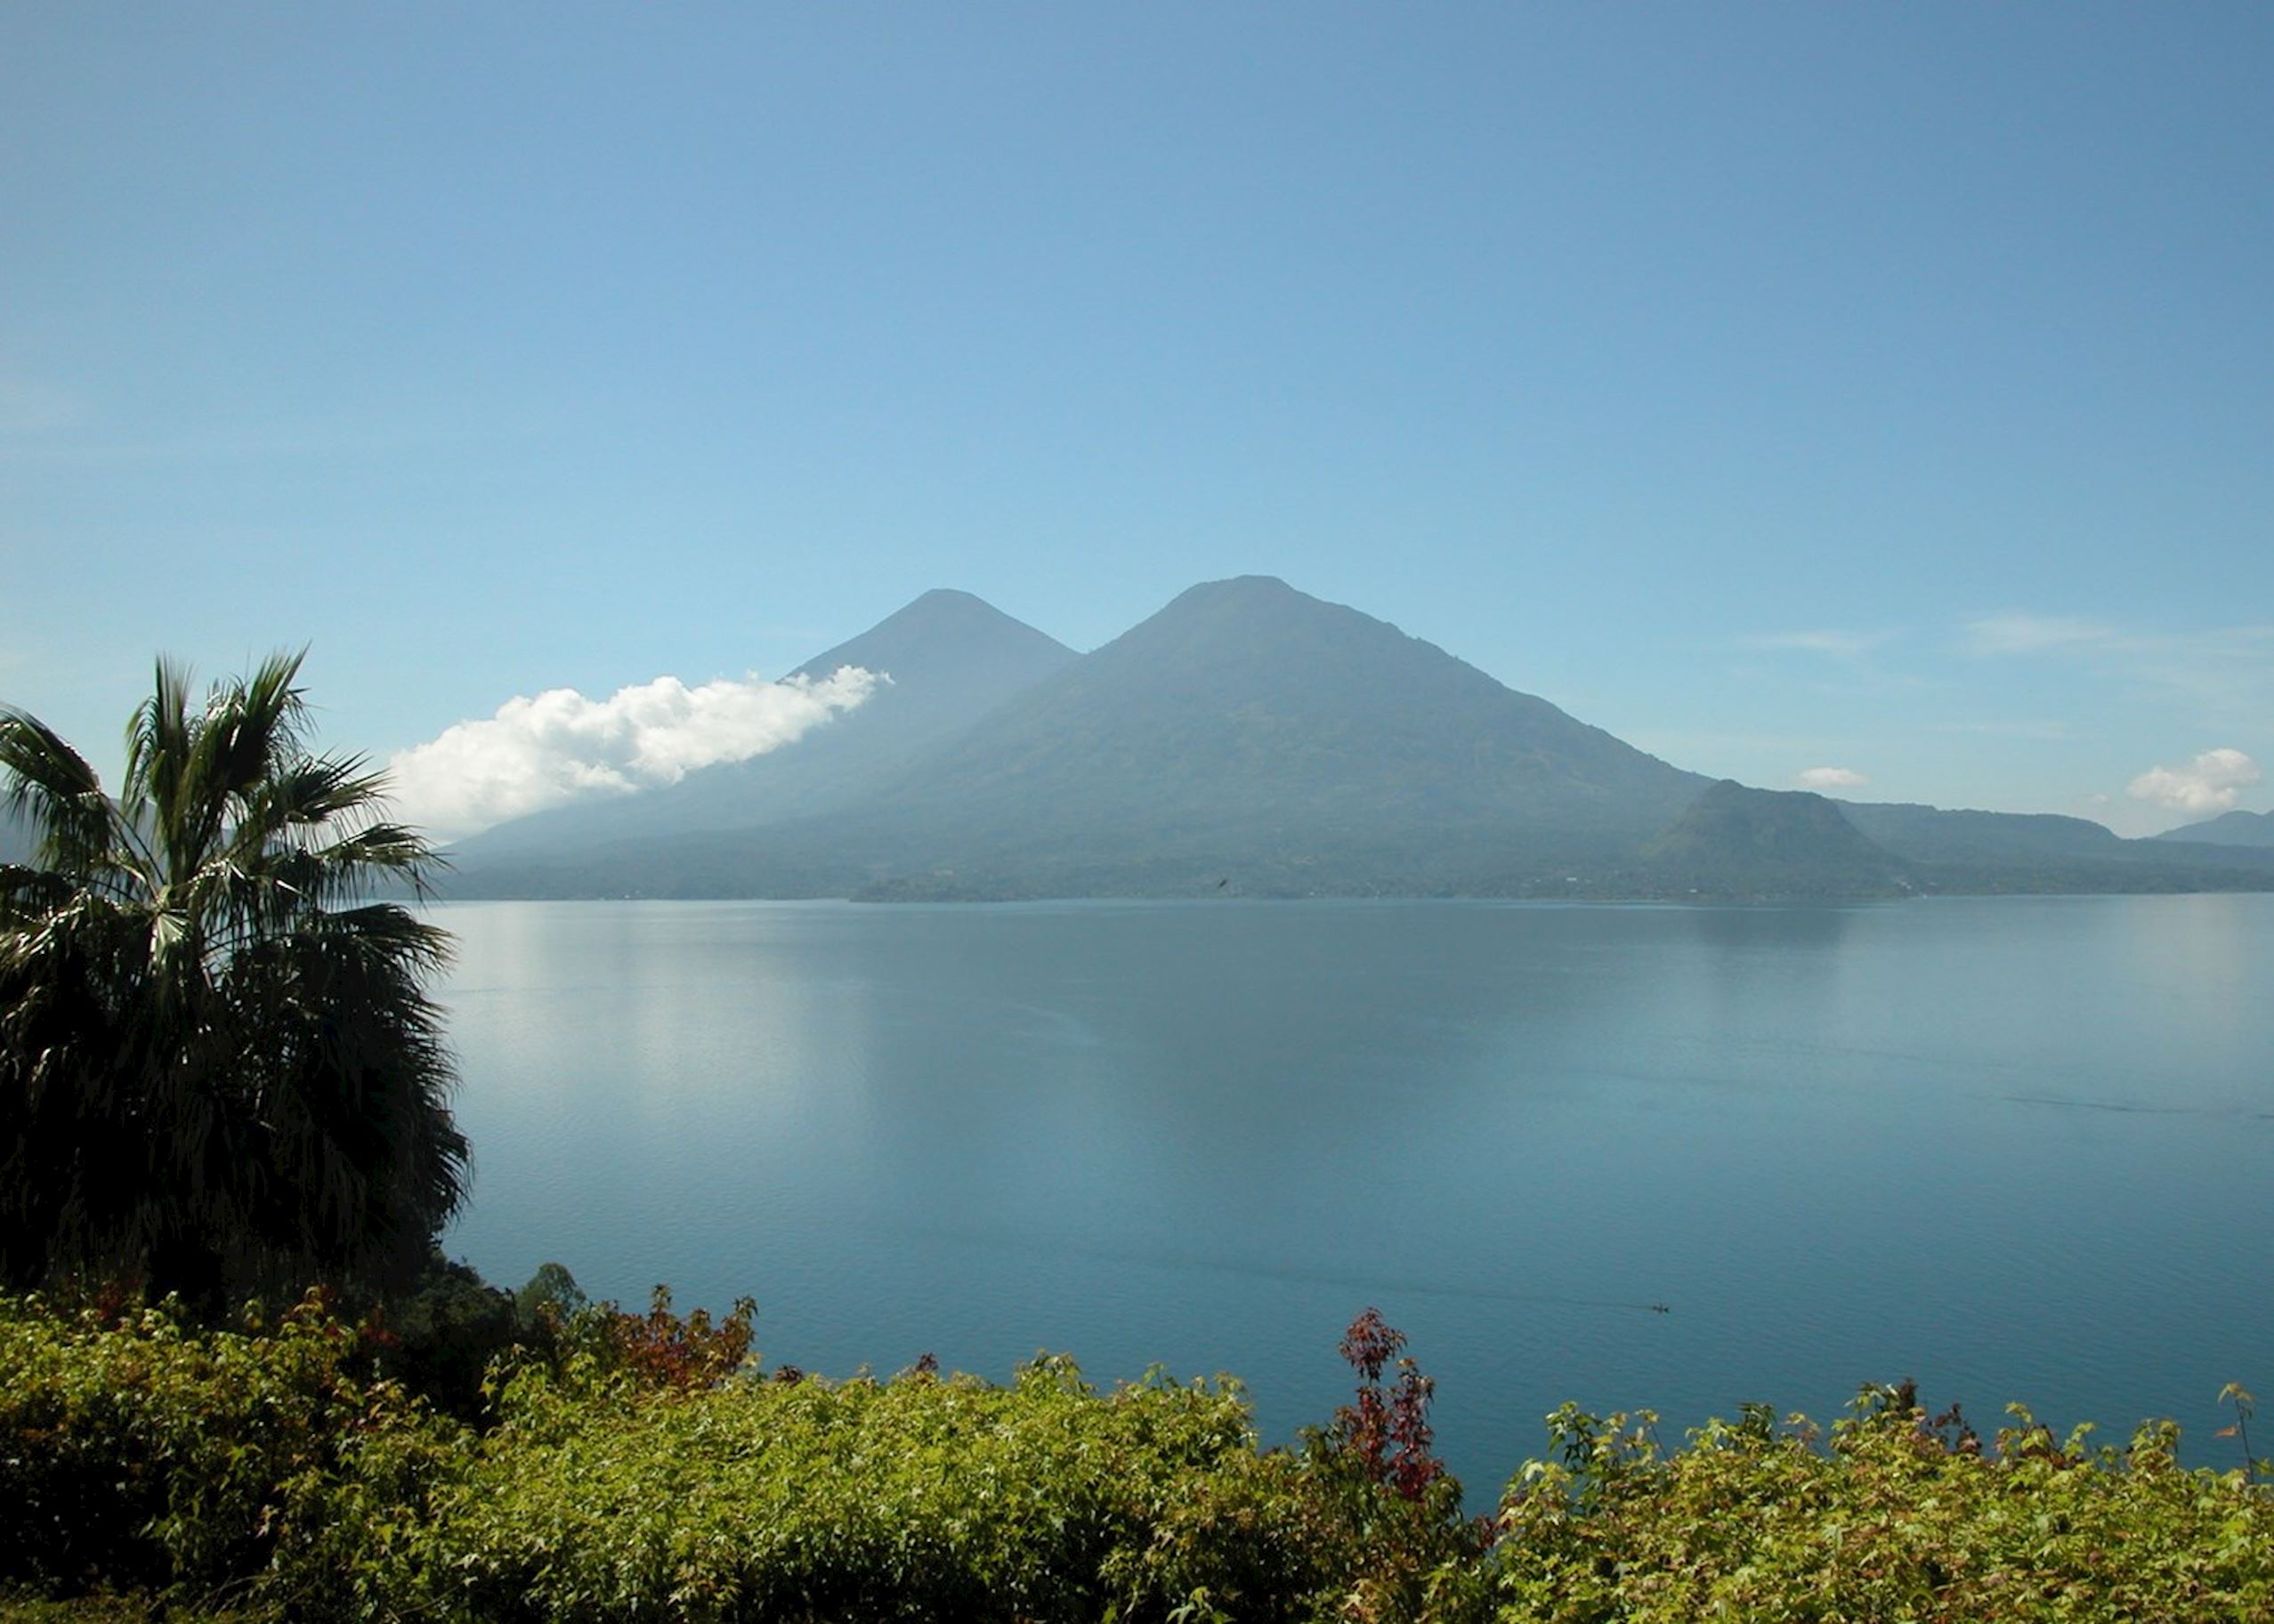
column 2017, row 1147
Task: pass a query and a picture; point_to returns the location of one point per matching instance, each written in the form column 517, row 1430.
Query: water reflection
column 1841, row 1143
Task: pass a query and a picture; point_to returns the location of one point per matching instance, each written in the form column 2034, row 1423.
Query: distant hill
column 951, row 658
column 1930, row 835
column 1250, row 740
column 1734, row 841
column 2234, row 828
column 1986, row 852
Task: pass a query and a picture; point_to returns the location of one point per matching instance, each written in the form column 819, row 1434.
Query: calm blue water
column 2016, row 1148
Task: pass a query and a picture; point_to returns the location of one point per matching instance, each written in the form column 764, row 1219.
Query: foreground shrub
column 1897, row 1520
column 915, row 1498
column 1390, row 1507
column 440, row 1338
column 636, row 1468
column 136, row 1454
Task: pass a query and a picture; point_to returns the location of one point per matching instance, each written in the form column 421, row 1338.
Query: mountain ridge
column 1247, row 737
column 2228, row 828
column 1218, row 678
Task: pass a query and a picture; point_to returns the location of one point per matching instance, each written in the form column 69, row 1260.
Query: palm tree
column 219, row 1068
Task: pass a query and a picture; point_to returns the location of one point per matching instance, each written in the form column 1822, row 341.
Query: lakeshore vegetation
column 221, row 1087
column 639, row 1466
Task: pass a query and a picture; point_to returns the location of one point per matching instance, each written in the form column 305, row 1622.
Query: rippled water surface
column 2016, row 1148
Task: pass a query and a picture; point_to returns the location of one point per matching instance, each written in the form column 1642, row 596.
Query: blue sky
column 1780, row 387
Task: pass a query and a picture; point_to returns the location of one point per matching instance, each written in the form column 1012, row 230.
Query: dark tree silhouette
column 220, row 1071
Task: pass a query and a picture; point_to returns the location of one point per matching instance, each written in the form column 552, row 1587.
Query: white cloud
column 2017, row 633
column 561, row 747
column 1829, row 778
column 2204, row 785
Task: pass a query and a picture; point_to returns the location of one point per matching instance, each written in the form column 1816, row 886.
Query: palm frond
column 305, row 800
column 27, row 896
column 219, row 1065
column 376, row 855
column 253, row 725
column 157, row 734
column 48, row 784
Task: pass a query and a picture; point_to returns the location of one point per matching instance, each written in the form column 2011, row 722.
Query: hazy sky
column 1886, row 390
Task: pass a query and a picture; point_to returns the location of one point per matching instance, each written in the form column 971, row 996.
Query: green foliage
column 638, row 1467
column 103, row 1609
column 139, row 1453
column 1895, row 1520
column 915, row 1498
column 440, row 1338
column 220, row 1073
column 551, row 1291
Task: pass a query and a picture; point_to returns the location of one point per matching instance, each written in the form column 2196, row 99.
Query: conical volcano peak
column 1249, row 586
column 944, row 601
column 1248, row 617
column 1242, row 592
column 944, row 629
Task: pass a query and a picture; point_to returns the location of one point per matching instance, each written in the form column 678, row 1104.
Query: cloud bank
column 1829, row 778
column 2206, row 786
column 561, row 747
